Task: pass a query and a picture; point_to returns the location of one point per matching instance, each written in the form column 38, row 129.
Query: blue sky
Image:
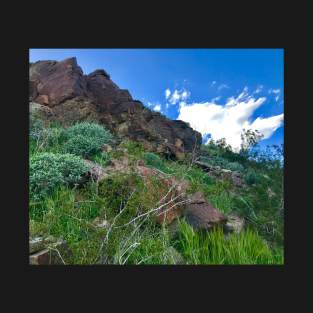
column 218, row 91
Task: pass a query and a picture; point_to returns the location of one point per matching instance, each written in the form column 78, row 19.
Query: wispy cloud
column 228, row 120
column 222, row 86
column 213, row 83
column 215, row 99
column 176, row 96
column 258, row 89
column 276, row 92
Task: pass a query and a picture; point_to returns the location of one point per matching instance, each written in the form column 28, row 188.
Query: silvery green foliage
column 43, row 136
column 235, row 167
column 36, row 127
column 49, row 170
column 85, row 139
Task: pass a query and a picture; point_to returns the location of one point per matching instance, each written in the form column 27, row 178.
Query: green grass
column 69, row 212
column 214, row 248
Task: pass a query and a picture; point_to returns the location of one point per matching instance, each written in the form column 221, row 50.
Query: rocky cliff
column 67, row 95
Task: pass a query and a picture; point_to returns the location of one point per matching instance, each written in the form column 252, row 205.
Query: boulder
column 95, row 172
column 100, row 223
column 73, row 96
column 201, row 214
column 47, row 251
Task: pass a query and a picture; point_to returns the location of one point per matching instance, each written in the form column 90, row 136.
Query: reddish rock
column 42, row 257
column 201, row 214
column 76, row 97
column 168, row 215
column 58, row 81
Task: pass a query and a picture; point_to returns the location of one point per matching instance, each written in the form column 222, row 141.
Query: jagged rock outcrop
column 73, row 96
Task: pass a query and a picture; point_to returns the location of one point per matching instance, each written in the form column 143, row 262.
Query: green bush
column 235, row 166
column 44, row 138
column 49, row 170
column 153, row 160
column 85, row 139
column 36, row 127
column 251, row 177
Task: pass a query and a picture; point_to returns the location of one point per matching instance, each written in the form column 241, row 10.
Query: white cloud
column 276, row 91
column 177, row 95
column 184, row 95
column 228, row 120
column 213, row 83
column 157, row 107
column 222, row 86
column 215, row 99
column 267, row 126
column 167, row 93
column 258, row 89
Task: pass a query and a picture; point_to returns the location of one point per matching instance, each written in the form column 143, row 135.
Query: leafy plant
column 251, row 177
column 49, row 170
column 85, row 139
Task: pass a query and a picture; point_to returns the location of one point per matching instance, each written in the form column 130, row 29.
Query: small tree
column 249, row 139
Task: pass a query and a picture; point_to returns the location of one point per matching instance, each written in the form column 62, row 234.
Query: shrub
column 49, row 170
column 85, row 139
column 36, row 127
column 235, row 166
column 154, row 160
column 251, row 177
column 42, row 138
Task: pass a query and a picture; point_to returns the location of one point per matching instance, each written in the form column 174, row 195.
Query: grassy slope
column 69, row 213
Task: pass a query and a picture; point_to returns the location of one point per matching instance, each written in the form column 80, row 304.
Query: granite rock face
column 73, row 96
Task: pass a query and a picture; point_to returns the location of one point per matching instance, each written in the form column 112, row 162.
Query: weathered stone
column 234, row 224
column 42, row 257
column 201, row 214
column 77, row 97
column 106, row 148
column 39, row 243
column 95, row 172
column 237, row 179
column 49, row 250
column 226, row 174
column 169, row 214
column 100, row 222
column 41, row 111
column 36, row 244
